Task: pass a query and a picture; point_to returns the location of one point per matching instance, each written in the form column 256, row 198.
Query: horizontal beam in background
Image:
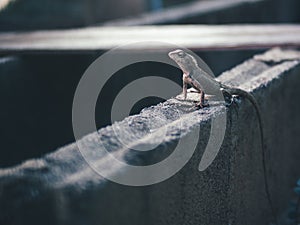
column 195, row 37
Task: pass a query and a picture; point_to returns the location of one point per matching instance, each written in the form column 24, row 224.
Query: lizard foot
column 230, row 101
column 201, row 105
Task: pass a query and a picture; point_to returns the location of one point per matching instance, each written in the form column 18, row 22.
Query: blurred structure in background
column 52, row 14
column 58, row 14
column 61, row 14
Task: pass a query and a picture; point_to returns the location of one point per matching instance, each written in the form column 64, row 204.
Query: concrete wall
column 61, row 188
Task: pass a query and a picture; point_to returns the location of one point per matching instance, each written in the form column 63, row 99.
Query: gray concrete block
column 61, row 188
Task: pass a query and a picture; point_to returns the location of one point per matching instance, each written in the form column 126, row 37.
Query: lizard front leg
column 202, row 103
column 195, row 84
column 184, row 90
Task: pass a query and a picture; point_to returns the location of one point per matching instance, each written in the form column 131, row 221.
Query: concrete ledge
column 61, row 188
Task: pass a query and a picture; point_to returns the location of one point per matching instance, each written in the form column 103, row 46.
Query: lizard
column 200, row 80
column 191, row 71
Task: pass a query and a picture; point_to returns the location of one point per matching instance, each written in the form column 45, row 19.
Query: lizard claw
column 231, row 100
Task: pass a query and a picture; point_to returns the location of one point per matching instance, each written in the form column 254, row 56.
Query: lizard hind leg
column 184, row 90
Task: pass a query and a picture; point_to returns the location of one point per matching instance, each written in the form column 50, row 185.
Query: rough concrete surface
column 61, row 188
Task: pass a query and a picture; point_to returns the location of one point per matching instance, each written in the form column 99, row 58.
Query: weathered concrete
column 61, row 188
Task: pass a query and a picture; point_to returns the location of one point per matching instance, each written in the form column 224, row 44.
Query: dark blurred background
column 57, row 14
column 53, row 14
column 36, row 89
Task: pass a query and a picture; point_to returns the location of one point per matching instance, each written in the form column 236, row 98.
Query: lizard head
column 185, row 61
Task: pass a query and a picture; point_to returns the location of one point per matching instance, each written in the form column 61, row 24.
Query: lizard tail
column 251, row 98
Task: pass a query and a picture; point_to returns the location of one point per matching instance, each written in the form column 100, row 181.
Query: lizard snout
column 171, row 54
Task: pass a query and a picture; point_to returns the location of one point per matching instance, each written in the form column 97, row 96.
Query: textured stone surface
column 61, row 188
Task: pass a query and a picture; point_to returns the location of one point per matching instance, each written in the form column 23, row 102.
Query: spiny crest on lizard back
column 185, row 61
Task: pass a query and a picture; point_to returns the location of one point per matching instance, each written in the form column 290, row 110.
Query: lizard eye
column 181, row 54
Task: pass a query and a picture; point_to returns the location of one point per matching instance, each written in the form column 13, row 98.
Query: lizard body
column 204, row 83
